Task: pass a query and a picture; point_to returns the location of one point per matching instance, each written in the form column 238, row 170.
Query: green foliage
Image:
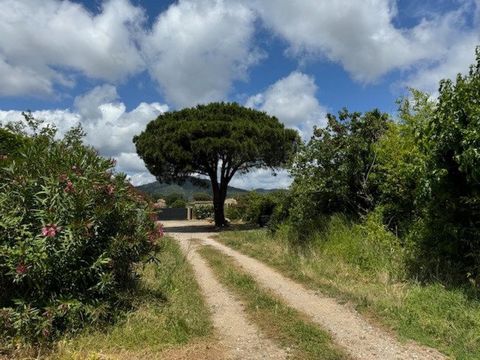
column 177, row 198
column 10, row 143
column 203, row 212
column 169, row 311
column 453, row 168
column 215, row 140
column 201, row 197
column 179, row 203
column 70, row 233
column 361, row 265
column 400, row 169
column 333, row 172
column 258, row 209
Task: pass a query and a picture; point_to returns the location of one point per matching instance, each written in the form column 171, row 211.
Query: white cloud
column 262, row 179
column 361, row 35
column 458, row 58
column 40, row 41
column 110, row 128
column 292, row 100
column 197, row 48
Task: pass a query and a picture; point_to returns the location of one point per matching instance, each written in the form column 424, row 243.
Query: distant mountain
column 187, row 189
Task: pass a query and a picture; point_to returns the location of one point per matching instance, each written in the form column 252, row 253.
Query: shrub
column 172, row 198
column 202, row 197
column 70, row 234
column 179, row 203
column 203, row 212
column 258, row 209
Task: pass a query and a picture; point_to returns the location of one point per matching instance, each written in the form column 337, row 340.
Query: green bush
column 70, row 235
column 233, row 212
column 259, row 209
column 200, row 196
column 203, row 211
column 179, row 203
column 172, row 198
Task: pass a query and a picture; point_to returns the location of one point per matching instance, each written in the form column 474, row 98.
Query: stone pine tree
column 217, row 140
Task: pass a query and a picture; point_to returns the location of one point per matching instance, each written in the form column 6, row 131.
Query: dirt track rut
column 359, row 338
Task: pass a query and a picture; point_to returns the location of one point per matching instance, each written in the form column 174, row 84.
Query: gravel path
column 349, row 330
column 239, row 337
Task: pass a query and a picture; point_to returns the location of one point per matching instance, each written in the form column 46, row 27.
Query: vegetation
column 421, row 173
column 278, row 321
column 201, row 196
column 385, row 214
column 188, row 189
column 203, row 212
column 169, row 312
column 216, row 140
column 259, row 209
column 71, row 233
column 364, row 265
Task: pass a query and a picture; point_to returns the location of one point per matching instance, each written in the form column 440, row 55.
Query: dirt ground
column 359, row 338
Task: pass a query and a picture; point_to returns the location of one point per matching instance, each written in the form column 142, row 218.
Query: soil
column 239, row 338
column 355, row 334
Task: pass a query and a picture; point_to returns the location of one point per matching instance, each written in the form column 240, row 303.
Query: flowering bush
column 70, row 234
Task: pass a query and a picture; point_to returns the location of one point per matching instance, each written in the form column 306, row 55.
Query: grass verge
column 278, row 321
column 446, row 319
column 169, row 313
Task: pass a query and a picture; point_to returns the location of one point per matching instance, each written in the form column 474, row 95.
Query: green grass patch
column 280, row 322
column 356, row 263
column 169, row 312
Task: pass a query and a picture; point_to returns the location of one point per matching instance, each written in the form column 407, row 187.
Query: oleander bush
column 71, row 233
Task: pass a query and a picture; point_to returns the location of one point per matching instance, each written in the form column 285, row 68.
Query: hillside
column 187, row 189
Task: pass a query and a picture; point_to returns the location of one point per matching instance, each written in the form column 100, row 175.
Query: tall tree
column 216, row 140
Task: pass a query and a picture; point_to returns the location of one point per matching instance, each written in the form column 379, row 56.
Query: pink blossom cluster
column 50, row 230
column 21, row 269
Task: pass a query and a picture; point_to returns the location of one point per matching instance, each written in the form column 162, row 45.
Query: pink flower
column 3, row 157
column 21, row 269
column 69, row 187
column 63, row 178
column 152, row 238
column 50, row 230
column 160, row 231
column 110, row 189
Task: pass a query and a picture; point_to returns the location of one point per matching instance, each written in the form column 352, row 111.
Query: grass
column 278, row 321
column 169, row 313
column 359, row 264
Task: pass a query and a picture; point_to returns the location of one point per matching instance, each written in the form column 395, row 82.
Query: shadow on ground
column 195, row 226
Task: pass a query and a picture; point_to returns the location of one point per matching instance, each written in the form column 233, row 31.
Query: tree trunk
column 219, row 195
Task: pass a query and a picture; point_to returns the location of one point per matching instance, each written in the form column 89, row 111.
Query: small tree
column 216, row 140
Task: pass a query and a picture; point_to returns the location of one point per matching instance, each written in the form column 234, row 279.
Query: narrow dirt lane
column 358, row 337
column 240, row 338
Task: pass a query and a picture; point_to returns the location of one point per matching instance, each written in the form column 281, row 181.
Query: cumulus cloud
column 263, row 179
column 197, row 48
column 361, row 35
column 292, row 100
column 43, row 42
column 458, row 58
column 109, row 126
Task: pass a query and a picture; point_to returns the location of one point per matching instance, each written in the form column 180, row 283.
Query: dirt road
column 359, row 338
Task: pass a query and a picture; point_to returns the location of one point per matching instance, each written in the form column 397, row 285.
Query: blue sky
column 114, row 65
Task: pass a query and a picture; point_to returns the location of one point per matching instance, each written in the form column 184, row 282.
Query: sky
column 115, row 65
